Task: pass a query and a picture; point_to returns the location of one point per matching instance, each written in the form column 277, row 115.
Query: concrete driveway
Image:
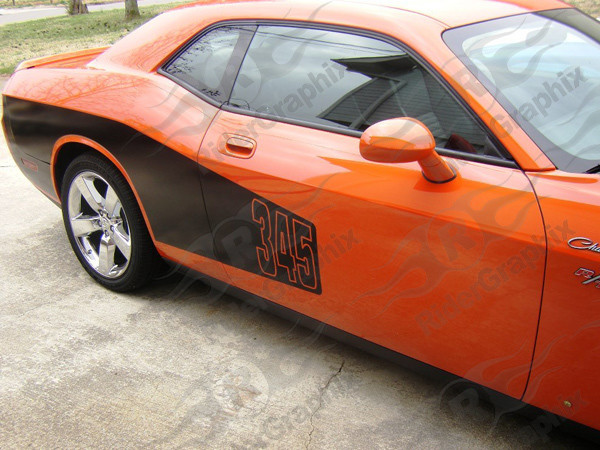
column 179, row 365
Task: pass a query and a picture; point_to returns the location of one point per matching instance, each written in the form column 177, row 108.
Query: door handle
column 237, row 146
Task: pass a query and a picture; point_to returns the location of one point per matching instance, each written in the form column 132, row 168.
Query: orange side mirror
column 405, row 140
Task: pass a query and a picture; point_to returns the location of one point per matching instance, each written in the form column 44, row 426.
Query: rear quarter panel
column 147, row 125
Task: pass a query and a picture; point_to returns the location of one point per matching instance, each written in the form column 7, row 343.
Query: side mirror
column 405, row 140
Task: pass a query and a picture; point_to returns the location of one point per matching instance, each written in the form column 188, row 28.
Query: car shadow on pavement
column 442, row 403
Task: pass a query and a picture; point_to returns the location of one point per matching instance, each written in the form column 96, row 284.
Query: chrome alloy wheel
column 99, row 224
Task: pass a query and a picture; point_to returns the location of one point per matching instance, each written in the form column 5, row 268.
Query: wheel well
column 69, row 151
column 66, row 155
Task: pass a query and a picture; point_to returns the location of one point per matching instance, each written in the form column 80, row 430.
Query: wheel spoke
column 106, row 222
column 106, row 255
column 90, row 193
column 84, row 225
column 112, row 203
column 123, row 243
column 74, row 203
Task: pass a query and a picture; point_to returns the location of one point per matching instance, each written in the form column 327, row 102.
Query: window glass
column 348, row 81
column 545, row 70
column 203, row 66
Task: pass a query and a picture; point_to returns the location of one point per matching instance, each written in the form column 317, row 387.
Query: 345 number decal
column 287, row 250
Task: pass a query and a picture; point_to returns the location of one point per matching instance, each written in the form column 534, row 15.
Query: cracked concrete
column 179, row 365
column 314, row 413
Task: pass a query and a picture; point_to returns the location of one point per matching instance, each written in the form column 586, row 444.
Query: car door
column 450, row 274
column 561, row 51
column 205, row 66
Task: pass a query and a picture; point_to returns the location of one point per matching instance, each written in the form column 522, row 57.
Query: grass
column 45, row 37
column 29, row 3
column 591, row 7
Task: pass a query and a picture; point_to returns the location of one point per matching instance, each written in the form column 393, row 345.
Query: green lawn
column 45, row 37
column 29, row 3
column 591, row 7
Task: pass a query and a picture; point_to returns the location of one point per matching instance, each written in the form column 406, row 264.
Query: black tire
column 117, row 250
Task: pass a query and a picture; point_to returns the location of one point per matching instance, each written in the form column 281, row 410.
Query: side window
column 344, row 80
column 208, row 65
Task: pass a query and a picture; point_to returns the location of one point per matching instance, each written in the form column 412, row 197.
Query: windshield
column 544, row 69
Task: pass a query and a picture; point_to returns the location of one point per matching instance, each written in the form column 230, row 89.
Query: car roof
column 451, row 13
column 146, row 47
column 460, row 12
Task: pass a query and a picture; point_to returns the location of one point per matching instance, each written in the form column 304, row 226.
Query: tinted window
column 348, row 81
column 208, row 64
column 545, row 70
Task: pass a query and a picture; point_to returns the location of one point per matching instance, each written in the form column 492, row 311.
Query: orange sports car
column 422, row 175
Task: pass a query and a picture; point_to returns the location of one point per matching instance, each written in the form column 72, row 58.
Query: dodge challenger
column 421, row 175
